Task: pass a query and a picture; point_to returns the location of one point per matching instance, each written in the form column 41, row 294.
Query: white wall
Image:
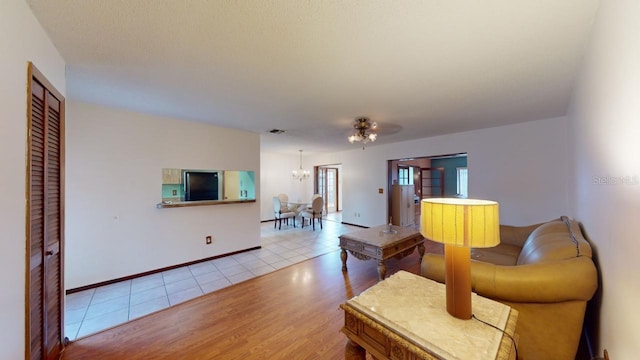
column 114, row 168
column 275, row 178
column 605, row 130
column 21, row 40
column 524, row 167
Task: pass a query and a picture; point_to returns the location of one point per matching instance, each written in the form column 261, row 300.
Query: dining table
column 297, row 206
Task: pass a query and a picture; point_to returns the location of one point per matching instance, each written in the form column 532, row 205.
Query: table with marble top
column 405, row 317
column 381, row 243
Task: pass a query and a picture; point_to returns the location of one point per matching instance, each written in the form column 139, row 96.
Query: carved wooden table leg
column 353, row 351
column 343, row 256
column 382, row 270
column 421, row 251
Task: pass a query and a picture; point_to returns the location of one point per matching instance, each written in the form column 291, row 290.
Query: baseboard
column 113, row 281
column 356, row 225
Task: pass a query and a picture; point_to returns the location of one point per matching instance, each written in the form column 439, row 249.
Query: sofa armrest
column 567, row 280
column 516, row 235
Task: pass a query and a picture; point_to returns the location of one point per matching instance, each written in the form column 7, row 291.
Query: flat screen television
column 200, row 185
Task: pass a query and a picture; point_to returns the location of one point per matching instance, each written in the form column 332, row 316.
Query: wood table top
column 379, row 236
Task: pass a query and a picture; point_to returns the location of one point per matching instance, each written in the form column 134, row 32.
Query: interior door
column 321, row 183
column 332, row 190
column 327, row 186
column 432, row 181
column 45, row 216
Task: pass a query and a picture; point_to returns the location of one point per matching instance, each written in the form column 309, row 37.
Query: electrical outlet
column 208, row 240
column 174, row 192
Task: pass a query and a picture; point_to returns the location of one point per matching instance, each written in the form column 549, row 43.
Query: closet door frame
column 50, row 345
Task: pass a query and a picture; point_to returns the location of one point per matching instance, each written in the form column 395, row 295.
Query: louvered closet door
column 45, row 212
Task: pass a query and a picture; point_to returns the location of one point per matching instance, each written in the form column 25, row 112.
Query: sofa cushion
column 503, row 254
column 553, row 241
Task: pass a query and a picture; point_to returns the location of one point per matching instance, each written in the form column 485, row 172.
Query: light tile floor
column 92, row 310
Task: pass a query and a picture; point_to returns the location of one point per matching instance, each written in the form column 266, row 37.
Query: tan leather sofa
column 545, row 271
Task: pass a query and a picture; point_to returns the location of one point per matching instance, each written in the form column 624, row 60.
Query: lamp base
column 458, row 280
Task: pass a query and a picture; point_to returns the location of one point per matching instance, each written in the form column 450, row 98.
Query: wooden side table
column 405, row 317
column 379, row 244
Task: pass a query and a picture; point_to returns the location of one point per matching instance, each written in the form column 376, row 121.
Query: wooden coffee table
column 405, row 317
column 379, row 244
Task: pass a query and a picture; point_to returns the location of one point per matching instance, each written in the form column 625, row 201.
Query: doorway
column 431, row 176
column 328, row 184
column 44, row 218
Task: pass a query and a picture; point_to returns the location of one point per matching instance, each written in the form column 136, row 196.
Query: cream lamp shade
column 460, row 224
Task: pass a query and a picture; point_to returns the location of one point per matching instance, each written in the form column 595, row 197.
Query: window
column 462, row 187
column 405, row 175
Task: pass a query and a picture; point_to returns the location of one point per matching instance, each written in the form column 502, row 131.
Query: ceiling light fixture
column 300, row 174
column 362, row 131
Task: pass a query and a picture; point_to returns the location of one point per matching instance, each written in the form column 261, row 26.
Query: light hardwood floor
column 292, row 313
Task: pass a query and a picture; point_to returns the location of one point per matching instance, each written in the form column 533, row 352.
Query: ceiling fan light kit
column 363, row 131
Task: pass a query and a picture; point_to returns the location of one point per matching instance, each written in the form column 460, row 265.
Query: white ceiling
column 418, row 68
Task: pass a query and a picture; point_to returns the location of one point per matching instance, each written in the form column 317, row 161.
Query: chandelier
column 360, row 133
column 300, row 174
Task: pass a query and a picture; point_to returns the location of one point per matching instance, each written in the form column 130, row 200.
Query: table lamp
column 460, row 224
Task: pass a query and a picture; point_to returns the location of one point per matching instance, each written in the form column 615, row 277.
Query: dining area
column 292, row 212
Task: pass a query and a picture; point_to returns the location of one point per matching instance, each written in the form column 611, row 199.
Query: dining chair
column 281, row 213
column 315, row 196
column 284, row 202
column 317, row 206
